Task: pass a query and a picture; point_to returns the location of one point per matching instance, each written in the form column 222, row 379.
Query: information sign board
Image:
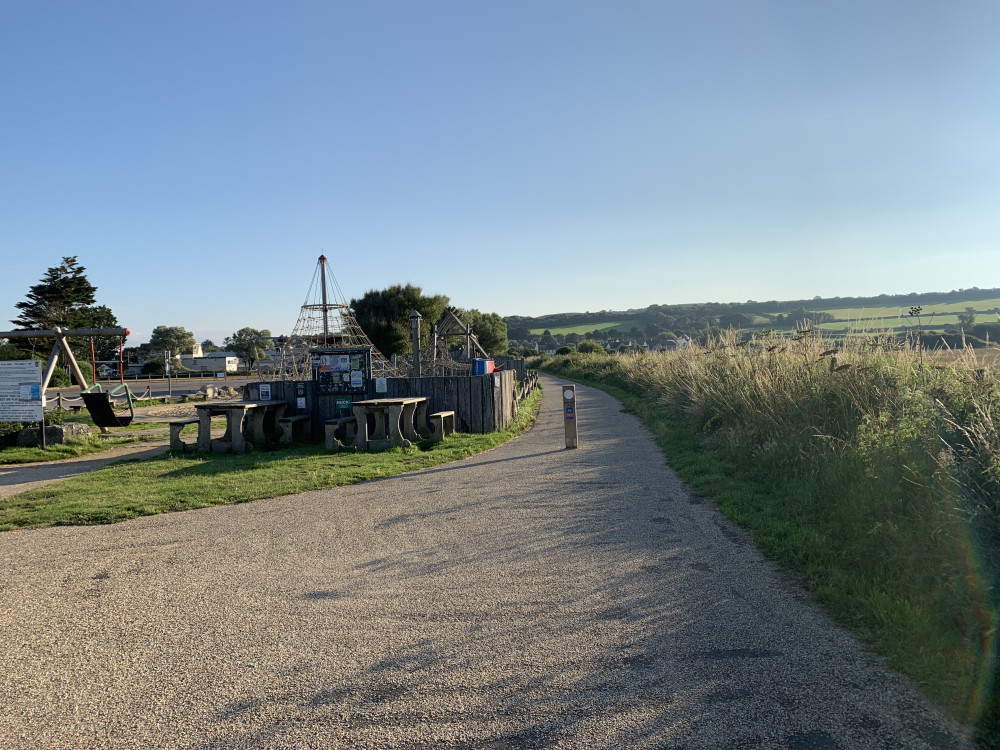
column 21, row 397
column 341, row 371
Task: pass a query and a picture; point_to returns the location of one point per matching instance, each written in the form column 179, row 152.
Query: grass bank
column 873, row 473
column 176, row 482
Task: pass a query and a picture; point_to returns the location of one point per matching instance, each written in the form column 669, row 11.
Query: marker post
column 569, row 415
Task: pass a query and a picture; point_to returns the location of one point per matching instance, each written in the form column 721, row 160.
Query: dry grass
column 869, row 467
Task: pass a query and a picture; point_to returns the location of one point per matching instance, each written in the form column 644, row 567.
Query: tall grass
column 871, row 469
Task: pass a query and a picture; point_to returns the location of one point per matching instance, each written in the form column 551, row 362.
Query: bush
column 564, row 350
column 589, row 347
column 154, row 367
column 60, row 379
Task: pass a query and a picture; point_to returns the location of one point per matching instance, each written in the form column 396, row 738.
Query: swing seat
column 98, row 403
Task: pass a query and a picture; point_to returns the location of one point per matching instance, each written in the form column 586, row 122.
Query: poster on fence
column 21, row 398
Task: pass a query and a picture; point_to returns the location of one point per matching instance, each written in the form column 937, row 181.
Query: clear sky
column 521, row 157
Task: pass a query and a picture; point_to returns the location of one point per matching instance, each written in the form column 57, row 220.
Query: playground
column 325, row 382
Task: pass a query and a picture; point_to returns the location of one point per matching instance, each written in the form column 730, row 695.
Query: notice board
column 21, row 398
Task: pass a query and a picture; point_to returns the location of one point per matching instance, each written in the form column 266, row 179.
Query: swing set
column 95, row 398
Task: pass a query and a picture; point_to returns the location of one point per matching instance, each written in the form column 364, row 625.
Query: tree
column 589, row 347
column 173, row 339
column 209, row 346
column 248, row 344
column 65, row 298
column 488, row 328
column 384, row 315
column 57, row 299
column 967, row 319
column 100, row 316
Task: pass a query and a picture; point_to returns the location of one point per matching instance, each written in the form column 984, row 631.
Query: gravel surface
column 527, row 597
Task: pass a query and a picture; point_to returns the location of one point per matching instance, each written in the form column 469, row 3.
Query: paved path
column 528, row 597
column 17, row 478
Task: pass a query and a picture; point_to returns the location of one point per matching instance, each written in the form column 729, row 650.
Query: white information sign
column 265, row 391
column 381, row 385
column 21, row 398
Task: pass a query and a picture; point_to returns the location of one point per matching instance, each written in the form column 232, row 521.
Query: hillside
column 974, row 311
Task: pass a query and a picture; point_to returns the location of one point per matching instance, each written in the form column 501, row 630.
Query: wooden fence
column 481, row 404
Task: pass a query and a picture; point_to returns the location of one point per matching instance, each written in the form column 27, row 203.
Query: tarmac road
column 159, row 387
column 527, row 597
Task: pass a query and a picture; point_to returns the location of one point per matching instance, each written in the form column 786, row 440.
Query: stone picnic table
column 248, row 424
column 397, row 421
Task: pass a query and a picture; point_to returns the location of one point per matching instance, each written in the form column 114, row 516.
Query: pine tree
column 65, row 297
column 58, row 299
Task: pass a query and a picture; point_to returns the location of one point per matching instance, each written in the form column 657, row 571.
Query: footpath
column 527, row 597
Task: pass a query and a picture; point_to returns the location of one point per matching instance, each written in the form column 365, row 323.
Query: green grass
column 71, row 449
column 877, row 484
column 116, row 437
column 622, row 325
column 175, row 482
column 983, row 310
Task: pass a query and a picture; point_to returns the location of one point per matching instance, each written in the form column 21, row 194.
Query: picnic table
column 396, row 422
column 248, row 424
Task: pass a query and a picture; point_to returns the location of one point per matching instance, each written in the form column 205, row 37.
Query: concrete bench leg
column 176, row 444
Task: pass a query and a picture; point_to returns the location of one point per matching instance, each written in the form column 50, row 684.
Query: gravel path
column 528, row 597
column 17, row 478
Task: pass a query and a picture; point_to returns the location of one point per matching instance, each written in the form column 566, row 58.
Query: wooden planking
column 437, row 400
column 504, row 391
column 476, row 404
column 464, row 411
column 479, row 405
column 489, row 411
column 450, row 399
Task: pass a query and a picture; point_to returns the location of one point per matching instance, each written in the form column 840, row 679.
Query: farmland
column 933, row 313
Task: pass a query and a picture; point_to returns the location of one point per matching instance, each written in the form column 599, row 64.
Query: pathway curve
column 527, row 597
column 17, row 478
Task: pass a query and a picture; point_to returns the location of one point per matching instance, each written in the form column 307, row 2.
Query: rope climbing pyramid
column 325, row 321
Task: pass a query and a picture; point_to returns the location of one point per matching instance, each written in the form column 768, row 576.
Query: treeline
column 690, row 319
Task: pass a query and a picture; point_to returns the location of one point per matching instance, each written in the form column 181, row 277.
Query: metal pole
column 415, row 329
column 170, row 387
column 326, row 310
column 434, row 349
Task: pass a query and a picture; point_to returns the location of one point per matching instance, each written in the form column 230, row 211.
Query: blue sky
column 519, row 157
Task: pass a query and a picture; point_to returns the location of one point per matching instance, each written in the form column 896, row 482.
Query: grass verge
column 876, row 484
column 184, row 481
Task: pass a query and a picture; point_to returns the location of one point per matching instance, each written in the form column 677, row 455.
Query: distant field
column 984, row 311
column 623, row 325
column 926, row 322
